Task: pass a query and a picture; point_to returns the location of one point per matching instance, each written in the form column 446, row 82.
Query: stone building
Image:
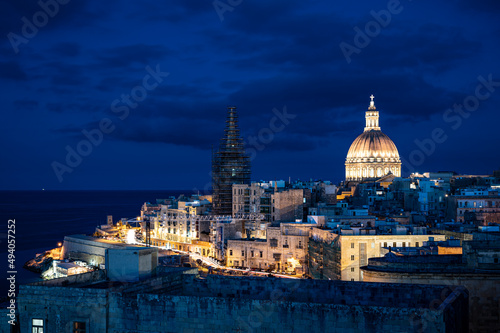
column 340, row 256
column 288, row 206
column 177, row 300
column 175, row 226
column 254, row 198
column 479, row 207
column 90, row 249
column 372, row 155
column 284, row 250
column 478, row 270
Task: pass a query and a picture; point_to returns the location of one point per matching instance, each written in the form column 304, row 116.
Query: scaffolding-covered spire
column 230, row 165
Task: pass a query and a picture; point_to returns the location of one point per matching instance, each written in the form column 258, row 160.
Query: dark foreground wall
column 184, row 303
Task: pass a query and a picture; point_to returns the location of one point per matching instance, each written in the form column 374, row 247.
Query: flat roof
column 102, row 241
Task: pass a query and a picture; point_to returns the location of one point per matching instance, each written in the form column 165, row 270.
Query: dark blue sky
column 69, row 77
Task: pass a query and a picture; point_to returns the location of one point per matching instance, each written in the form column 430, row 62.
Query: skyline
column 185, row 63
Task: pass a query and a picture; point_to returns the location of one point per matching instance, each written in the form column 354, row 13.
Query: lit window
column 37, row 325
column 79, row 327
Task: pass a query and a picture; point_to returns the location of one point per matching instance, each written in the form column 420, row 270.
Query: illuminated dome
column 372, row 155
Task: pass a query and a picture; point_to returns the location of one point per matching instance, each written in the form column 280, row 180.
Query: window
column 352, row 279
column 404, row 244
column 352, row 245
column 385, row 244
column 261, row 254
column 242, row 253
column 273, row 242
column 416, row 244
column 352, row 257
column 352, row 269
column 251, row 253
column 230, row 252
column 37, row 325
column 79, row 327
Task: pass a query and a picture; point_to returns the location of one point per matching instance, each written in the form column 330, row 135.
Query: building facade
column 284, row 250
column 288, row 206
column 347, row 253
column 478, row 270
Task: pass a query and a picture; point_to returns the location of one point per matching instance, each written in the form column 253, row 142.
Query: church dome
column 372, row 155
column 373, row 144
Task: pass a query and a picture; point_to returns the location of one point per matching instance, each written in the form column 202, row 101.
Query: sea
column 43, row 218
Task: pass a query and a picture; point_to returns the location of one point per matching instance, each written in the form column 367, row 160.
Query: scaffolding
column 230, row 165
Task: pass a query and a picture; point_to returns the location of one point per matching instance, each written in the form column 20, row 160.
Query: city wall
column 185, row 303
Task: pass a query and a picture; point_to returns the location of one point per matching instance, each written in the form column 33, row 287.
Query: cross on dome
column 372, row 103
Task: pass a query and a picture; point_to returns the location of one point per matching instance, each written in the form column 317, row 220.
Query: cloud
column 12, row 71
column 127, row 55
column 23, row 105
column 14, row 10
column 66, row 49
column 486, row 6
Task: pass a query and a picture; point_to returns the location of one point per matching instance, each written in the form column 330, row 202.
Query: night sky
column 315, row 63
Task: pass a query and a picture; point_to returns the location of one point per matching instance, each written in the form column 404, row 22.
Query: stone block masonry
column 180, row 302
